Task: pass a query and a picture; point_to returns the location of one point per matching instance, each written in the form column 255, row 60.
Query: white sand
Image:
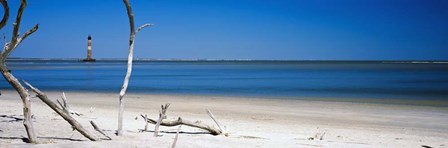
column 251, row 122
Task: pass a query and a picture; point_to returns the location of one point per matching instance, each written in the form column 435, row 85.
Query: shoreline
column 386, row 101
column 251, row 122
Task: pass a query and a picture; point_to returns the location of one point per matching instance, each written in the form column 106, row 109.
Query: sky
column 238, row 29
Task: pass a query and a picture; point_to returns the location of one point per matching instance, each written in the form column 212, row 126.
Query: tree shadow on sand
column 10, row 118
column 24, row 139
column 15, row 138
column 59, row 138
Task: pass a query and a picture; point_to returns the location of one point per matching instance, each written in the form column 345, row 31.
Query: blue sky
column 239, row 29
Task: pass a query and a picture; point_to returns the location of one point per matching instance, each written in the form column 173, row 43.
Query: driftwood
column 181, row 121
column 146, row 123
column 318, row 136
column 7, row 50
column 67, row 117
column 216, row 121
column 64, row 105
column 162, row 115
column 99, row 130
column 129, row 66
column 175, row 138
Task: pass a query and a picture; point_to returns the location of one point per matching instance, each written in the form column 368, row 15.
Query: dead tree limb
column 7, row 50
column 5, row 15
column 180, row 121
column 99, row 130
column 146, row 123
column 143, row 26
column 162, row 115
column 75, row 124
column 129, row 66
column 64, row 105
column 216, row 121
column 175, row 138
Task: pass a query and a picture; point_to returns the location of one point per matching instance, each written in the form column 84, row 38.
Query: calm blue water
column 282, row 79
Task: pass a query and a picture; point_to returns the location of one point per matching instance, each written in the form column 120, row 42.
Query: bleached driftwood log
column 7, row 50
column 129, row 66
column 180, row 121
column 162, row 115
column 66, row 116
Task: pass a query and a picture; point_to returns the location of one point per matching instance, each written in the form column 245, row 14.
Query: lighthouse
column 89, row 50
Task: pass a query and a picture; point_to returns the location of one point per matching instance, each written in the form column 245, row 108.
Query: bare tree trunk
column 129, row 66
column 26, row 105
column 7, row 49
column 67, row 117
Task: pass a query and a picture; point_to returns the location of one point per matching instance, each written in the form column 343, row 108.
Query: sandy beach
column 250, row 122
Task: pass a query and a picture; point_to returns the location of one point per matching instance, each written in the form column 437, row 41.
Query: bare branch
column 214, row 119
column 175, row 138
column 29, row 32
column 6, row 14
column 130, row 16
column 75, row 124
column 143, row 26
column 15, row 40
column 146, row 123
column 15, row 32
column 64, row 105
column 162, row 115
column 99, row 130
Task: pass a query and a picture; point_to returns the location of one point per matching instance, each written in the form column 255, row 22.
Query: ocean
column 288, row 79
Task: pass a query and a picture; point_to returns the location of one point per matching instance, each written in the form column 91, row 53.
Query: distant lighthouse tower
column 89, row 50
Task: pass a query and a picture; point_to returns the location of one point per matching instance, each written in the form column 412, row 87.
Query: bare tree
column 129, row 69
column 7, row 50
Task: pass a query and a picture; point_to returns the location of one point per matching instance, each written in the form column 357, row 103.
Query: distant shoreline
column 234, row 60
column 384, row 101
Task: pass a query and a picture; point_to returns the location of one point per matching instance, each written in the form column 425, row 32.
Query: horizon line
column 228, row 60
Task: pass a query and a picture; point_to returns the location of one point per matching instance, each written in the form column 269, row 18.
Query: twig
column 146, row 123
column 99, row 130
column 65, row 107
column 175, row 138
column 143, row 26
column 214, row 119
